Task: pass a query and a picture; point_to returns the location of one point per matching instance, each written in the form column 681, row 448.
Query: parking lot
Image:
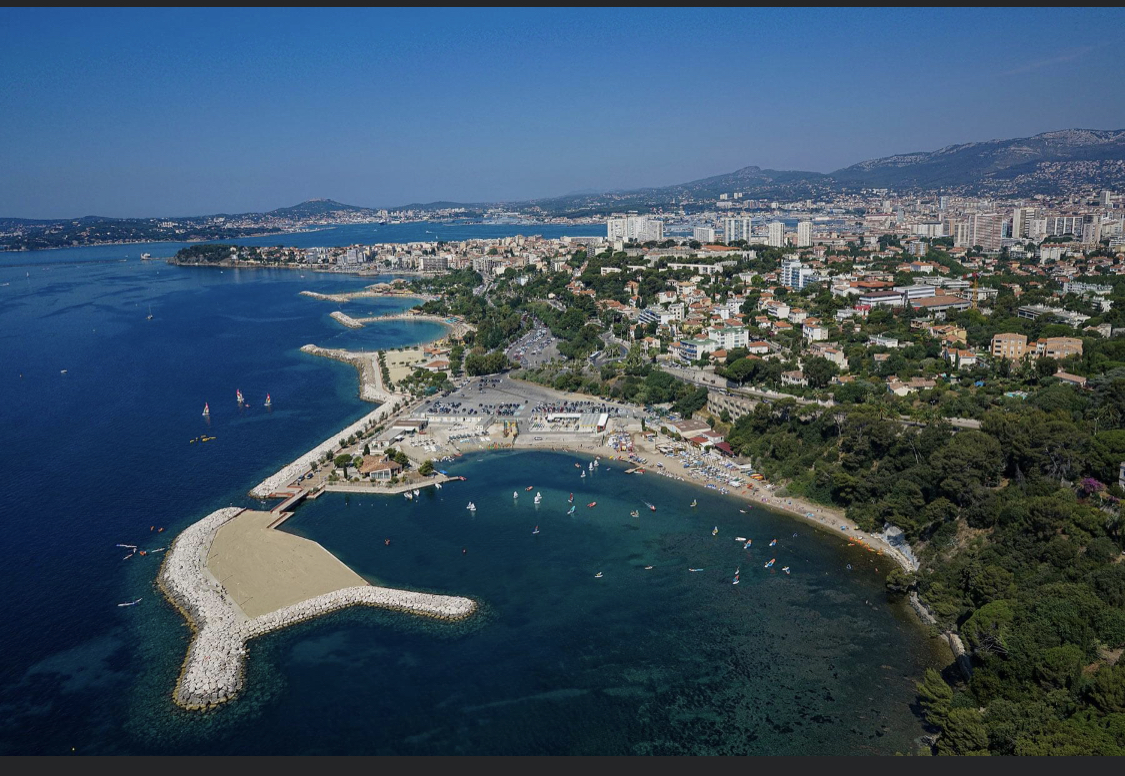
column 501, row 398
column 535, row 348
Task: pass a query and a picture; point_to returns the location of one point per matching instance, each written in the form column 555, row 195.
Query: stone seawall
column 370, row 389
column 345, row 320
column 213, row 671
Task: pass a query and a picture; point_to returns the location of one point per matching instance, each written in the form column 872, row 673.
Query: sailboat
column 408, row 496
column 417, row 493
column 472, row 507
column 206, row 410
column 715, row 532
column 269, row 401
column 538, row 497
column 238, row 395
column 770, row 564
column 785, row 569
column 634, row 513
column 571, row 499
column 583, row 475
column 693, row 502
column 535, row 531
column 515, row 494
column 773, row 542
column 736, row 572
column 571, row 512
column 149, row 317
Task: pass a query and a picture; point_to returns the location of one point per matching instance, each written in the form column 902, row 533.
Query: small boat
column 785, row 569
column 651, row 507
column 634, row 513
column 238, row 396
column 130, row 603
column 417, row 493
column 773, row 542
column 648, row 568
column 740, row 538
column 437, row 485
column 695, row 569
column 694, row 503
column 206, row 410
column 576, row 466
column 598, row 575
column 193, row 441
column 529, row 487
column 770, row 564
column 715, row 531
column 736, row 572
column 535, row 531
column 62, row 371
column 571, row 499
column 269, row 401
column 748, row 543
column 408, row 496
column 592, row 504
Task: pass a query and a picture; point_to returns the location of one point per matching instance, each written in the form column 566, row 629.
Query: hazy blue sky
column 189, row 112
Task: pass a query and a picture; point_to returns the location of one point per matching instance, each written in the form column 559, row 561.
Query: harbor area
column 262, row 569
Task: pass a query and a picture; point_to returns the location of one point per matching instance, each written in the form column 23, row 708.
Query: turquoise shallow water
column 638, row 661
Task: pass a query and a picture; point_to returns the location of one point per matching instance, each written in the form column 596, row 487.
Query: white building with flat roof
column 635, row 229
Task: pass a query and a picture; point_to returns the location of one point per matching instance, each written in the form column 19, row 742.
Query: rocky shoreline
column 213, row 670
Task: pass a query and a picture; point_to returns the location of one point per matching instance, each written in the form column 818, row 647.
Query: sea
column 99, row 405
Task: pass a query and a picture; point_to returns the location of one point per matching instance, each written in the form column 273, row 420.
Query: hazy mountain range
column 1049, row 163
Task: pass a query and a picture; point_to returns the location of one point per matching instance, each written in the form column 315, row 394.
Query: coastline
column 213, row 667
column 823, row 517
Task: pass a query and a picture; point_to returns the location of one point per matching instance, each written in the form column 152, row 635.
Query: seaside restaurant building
column 379, row 468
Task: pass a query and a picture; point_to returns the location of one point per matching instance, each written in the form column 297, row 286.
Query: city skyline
column 150, row 113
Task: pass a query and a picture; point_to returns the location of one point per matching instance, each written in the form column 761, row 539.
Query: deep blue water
column 660, row 661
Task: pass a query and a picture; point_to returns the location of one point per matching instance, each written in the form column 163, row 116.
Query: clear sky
column 168, row 112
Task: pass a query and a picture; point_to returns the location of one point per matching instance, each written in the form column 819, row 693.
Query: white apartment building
column 729, row 337
column 796, row 275
column 776, row 234
column 703, row 234
column 804, row 234
column 635, row 228
column 737, row 229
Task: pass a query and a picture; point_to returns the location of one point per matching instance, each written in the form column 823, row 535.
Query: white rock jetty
column 213, row 669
